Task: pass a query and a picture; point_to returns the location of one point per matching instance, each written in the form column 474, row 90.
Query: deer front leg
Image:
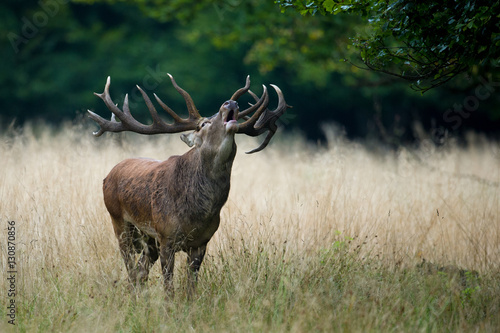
column 194, row 260
column 167, row 259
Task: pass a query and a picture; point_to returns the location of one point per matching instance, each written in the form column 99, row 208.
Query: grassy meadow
column 337, row 238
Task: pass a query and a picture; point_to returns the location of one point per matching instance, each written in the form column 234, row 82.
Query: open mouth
column 230, row 116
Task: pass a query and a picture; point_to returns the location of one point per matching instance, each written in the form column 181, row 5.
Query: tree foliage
column 426, row 42
column 311, row 48
column 58, row 52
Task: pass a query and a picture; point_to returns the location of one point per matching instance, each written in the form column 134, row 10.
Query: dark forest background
column 56, row 53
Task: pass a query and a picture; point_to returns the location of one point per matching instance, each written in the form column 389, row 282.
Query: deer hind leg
column 194, row 260
column 150, row 254
column 124, row 232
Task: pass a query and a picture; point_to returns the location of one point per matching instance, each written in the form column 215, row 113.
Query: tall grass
column 312, row 238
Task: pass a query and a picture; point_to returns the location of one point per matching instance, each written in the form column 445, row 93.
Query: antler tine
column 168, row 109
column 269, row 117
column 128, row 123
column 264, row 143
column 193, row 112
column 157, row 121
column 102, row 123
column 241, row 91
column 266, row 120
column 248, row 124
column 243, row 114
column 109, row 102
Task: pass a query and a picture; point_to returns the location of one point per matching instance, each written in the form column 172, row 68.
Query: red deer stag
column 162, row 207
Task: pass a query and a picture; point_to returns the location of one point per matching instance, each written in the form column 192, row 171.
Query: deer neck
column 209, row 178
column 217, row 163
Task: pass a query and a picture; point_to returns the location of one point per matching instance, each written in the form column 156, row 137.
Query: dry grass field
column 311, row 239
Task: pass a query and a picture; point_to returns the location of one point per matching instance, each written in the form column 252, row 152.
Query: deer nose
column 230, row 105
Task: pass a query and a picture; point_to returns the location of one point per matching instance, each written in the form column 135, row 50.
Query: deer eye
column 203, row 124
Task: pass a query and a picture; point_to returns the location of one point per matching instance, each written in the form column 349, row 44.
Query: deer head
column 215, row 135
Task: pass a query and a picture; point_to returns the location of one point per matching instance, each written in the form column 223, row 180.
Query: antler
column 128, row 123
column 263, row 119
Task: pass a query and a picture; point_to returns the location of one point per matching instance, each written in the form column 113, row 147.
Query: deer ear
column 188, row 139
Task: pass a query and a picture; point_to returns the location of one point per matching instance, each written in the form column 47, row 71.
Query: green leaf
column 328, row 5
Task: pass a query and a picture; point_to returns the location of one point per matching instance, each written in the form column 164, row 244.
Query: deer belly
column 144, row 226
